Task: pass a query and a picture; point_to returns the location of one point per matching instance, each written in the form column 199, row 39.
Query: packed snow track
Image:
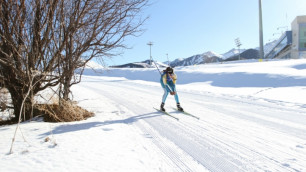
column 234, row 133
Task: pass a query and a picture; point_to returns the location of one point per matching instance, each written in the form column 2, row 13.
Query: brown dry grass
column 66, row 112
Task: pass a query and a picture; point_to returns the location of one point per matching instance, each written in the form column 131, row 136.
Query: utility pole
column 261, row 52
column 150, row 44
column 168, row 60
column 238, row 44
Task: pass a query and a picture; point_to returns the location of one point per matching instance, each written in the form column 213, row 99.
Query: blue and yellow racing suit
column 168, row 81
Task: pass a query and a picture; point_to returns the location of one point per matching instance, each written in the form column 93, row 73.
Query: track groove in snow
column 180, row 160
column 215, row 141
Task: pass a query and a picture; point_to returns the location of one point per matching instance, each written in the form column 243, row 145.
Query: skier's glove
column 173, row 93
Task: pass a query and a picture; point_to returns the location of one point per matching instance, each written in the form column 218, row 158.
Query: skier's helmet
column 169, row 70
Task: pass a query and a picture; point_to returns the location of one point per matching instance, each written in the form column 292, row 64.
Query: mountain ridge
column 206, row 57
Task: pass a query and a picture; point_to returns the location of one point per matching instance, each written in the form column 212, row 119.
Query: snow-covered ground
column 252, row 118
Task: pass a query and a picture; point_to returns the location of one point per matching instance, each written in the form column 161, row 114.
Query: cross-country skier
column 168, row 80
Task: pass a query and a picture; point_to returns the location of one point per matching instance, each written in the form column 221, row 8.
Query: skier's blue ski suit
column 168, row 81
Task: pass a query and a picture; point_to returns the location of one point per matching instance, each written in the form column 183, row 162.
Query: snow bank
column 252, row 118
column 248, row 78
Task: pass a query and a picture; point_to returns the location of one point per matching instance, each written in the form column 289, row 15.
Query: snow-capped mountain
column 231, row 53
column 211, row 54
column 175, row 61
column 207, row 57
column 247, row 54
column 143, row 64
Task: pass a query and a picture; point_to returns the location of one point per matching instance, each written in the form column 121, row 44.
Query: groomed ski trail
column 231, row 135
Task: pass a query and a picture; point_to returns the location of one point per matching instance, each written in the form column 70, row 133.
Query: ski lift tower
column 150, row 44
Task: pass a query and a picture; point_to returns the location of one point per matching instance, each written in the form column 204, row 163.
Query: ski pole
column 161, row 73
column 156, row 66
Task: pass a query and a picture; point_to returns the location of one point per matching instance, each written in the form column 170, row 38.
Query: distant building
column 292, row 44
column 298, row 27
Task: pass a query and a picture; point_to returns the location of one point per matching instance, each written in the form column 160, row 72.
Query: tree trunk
column 17, row 100
column 66, row 86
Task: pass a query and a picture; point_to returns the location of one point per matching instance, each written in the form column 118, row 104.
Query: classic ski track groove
column 169, row 151
column 200, row 136
column 209, row 161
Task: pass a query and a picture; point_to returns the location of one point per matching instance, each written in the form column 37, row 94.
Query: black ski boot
column 179, row 108
column 162, row 107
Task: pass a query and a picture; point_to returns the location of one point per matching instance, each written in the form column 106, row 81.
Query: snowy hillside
column 143, row 64
column 94, row 65
column 207, row 57
column 211, row 57
column 231, row 53
column 268, row 47
column 252, row 118
column 211, row 54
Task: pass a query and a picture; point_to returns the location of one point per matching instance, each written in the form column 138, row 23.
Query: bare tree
column 54, row 38
column 94, row 29
column 26, row 31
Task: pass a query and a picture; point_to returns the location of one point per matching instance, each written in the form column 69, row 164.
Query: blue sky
column 183, row 28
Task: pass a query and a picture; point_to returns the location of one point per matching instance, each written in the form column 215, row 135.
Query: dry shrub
column 65, row 112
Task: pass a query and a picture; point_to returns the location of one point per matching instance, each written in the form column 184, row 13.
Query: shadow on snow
column 85, row 126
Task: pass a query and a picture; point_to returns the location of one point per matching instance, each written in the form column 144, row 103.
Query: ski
column 166, row 113
column 186, row 113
